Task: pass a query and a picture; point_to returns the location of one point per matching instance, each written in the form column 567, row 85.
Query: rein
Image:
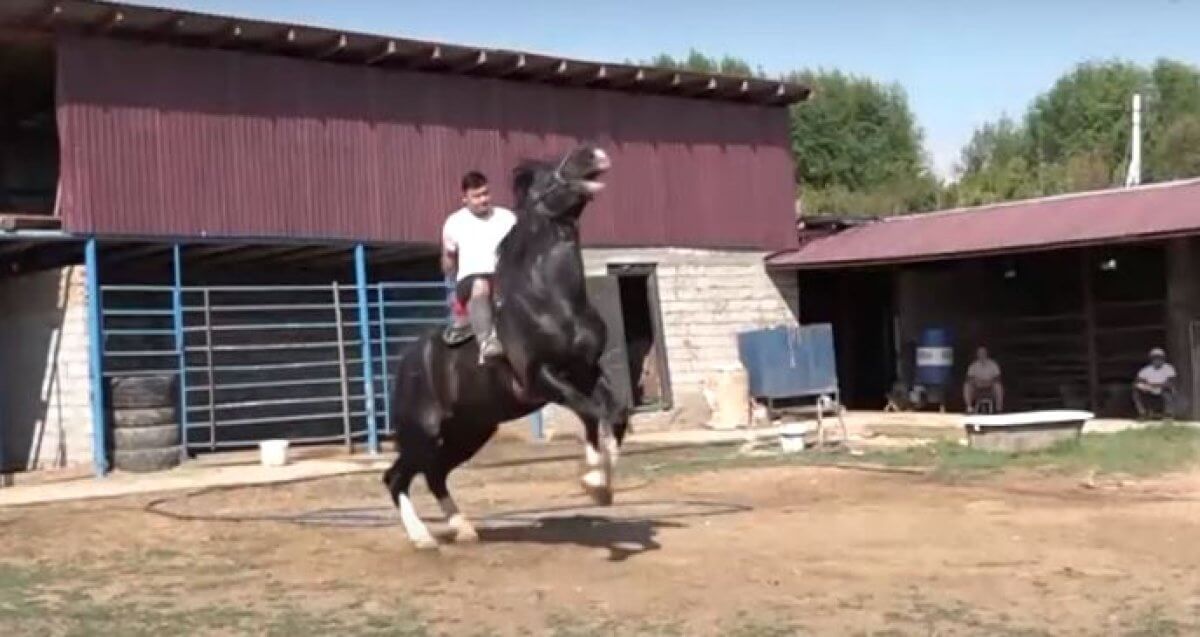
column 559, row 182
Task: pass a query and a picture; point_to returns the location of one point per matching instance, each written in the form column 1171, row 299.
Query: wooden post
column 1089, row 316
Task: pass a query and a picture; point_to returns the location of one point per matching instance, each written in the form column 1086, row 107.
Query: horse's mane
column 523, row 176
column 515, row 245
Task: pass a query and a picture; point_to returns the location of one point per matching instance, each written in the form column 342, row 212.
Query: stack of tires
column 145, row 429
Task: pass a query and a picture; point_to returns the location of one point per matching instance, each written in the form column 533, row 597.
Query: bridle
column 559, row 181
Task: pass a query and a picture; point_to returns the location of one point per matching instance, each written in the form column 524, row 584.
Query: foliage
column 859, row 150
column 1076, row 136
column 857, row 146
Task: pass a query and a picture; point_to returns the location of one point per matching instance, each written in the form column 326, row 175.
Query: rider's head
column 476, row 196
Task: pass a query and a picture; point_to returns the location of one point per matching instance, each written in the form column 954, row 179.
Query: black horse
column 448, row 405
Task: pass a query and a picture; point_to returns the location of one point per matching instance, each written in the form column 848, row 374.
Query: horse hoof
column 466, row 535
column 602, row 496
column 428, row 544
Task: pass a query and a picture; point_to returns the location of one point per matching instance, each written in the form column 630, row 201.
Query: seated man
column 983, row 382
column 470, row 237
column 1154, row 387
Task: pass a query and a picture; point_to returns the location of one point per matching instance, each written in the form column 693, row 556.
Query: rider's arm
column 449, row 251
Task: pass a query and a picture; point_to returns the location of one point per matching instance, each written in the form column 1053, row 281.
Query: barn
column 1069, row 293
column 251, row 210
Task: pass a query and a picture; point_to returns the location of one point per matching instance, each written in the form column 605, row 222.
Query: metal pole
column 383, row 358
column 537, row 425
column 212, row 385
column 181, row 348
column 1133, row 176
column 364, row 328
column 342, row 374
column 95, row 358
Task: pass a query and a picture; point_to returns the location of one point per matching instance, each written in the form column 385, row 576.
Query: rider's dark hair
column 473, row 180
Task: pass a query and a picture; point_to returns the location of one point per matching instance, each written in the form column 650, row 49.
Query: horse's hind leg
column 399, row 478
column 464, row 531
column 598, row 412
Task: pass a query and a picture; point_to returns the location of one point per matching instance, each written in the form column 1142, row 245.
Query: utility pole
column 1134, row 176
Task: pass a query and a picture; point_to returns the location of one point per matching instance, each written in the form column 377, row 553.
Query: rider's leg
column 480, row 310
column 458, row 304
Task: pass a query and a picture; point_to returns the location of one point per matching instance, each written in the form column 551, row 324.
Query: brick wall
column 45, row 398
column 707, row 297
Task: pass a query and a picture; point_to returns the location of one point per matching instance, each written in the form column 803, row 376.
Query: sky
column 962, row 63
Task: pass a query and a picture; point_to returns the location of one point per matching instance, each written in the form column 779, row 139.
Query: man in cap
column 1155, row 386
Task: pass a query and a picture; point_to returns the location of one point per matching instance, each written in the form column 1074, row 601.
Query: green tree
column 1076, row 136
column 857, row 146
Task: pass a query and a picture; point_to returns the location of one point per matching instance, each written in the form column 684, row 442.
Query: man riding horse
column 470, row 237
column 447, row 405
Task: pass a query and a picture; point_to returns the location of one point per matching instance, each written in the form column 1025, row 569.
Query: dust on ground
column 770, row 550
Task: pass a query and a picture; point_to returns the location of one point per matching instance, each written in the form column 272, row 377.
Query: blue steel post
column 364, row 329
column 537, row 425
column 95, row 358
column 181, row 348
column 383, row 357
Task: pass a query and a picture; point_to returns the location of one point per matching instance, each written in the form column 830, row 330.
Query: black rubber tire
column 143, row 392
column 154, row 437
column 146, row 460
column 143, row 417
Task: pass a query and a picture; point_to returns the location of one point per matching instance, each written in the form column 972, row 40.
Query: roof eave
column 119, row 20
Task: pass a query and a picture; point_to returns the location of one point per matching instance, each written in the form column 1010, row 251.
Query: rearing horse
column 448, row 405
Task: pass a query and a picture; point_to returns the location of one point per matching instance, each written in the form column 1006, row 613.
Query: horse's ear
column 522, row 182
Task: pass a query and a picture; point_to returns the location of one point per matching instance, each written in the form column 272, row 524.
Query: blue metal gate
column 309, row 363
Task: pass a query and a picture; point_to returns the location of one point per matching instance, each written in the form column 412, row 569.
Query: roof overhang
column 189, row 28
column 1153, row 212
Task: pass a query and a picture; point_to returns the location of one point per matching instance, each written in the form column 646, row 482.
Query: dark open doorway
column 643, row 336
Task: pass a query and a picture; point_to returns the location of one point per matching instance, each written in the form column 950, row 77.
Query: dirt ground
column 773, row 550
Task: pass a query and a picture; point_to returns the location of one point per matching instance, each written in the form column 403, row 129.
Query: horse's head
column 561, row 188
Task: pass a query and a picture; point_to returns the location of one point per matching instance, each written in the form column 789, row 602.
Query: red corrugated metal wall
column 170, row 141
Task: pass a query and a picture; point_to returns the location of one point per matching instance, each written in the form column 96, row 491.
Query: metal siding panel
column 265, row 146
column 1082, row 219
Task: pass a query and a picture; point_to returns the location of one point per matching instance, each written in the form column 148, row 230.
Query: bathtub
column 1024, row 431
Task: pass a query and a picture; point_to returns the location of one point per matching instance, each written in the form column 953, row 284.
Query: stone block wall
column 45, row 396
column 706, row 297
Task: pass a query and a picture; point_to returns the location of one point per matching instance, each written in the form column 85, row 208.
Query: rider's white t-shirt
column 475, row 239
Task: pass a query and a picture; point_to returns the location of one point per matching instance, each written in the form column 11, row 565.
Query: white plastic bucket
column 792, row 437
column 273, row 453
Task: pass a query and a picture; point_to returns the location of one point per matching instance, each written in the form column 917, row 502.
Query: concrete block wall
column 707, row 297
column 45, row 397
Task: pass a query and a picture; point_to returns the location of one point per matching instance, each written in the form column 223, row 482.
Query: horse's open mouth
column 600, row 165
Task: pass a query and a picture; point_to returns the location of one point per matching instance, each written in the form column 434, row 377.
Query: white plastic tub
column 273, row 453
column 1025, row 431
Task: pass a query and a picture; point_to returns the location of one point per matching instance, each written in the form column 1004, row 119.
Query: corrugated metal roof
column 190, row 28
column 1145, row 212
column 161, row 140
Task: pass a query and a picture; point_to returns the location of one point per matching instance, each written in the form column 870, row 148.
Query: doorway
column 644, row 344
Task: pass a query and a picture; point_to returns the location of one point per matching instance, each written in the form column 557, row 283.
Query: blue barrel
column 935, row 357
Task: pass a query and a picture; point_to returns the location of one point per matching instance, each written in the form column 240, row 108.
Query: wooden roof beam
column 52, row 15
column 253, row 253
column 113, row 21
column 339, row 44
column 385, row 52
column 316, row 253
column 231, row 33
column 132, row 254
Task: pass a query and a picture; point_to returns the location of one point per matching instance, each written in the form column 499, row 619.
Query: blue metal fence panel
column 784, row 362
column 268, row 361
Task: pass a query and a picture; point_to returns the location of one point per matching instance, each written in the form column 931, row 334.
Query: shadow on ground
column 625, row 529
